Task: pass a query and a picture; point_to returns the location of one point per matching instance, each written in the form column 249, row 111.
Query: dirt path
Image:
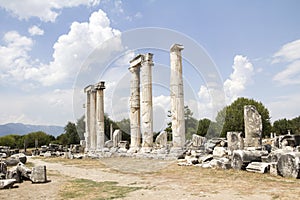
column 158, row 179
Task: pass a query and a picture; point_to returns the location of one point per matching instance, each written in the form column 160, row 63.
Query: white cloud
column 49, row 108
column 35, row 30
column 46, row 11
column 70, row 51
column 290, row 75
column 211, row 98
column 239, row 78
column 14, row 55
column 289, row 53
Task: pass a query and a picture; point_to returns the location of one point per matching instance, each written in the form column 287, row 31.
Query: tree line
column 230, row 118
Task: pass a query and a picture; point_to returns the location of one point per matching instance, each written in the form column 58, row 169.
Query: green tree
column 80, row 126
column 190, row 123
column 41, row 137
column 8, row 140
column 234, row 118
column 281, row 126
column 124, row 126
column 203, row 126
column 71, row 133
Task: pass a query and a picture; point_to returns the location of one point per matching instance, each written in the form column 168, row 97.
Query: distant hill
column 21, row 129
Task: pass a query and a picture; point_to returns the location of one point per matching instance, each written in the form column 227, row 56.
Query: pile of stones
column 277, row 158
column 13, row 170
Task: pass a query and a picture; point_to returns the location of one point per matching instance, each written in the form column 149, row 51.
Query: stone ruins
column 141, row 111
column 276, row 155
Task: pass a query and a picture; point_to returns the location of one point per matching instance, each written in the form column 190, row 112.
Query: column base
column 146, row 149
column 133, row 150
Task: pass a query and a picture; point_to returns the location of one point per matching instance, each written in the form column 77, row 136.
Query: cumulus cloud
column 46, row 11
column 289, row 54
column 35, row 30
column 14, row 55
column 239, row 78
column 70, row 51
column 211, row 98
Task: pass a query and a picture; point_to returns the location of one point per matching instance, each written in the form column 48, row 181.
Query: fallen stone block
column 219, row 152
column 241, row 158
column 21, row 157
column 205, row 158
column 273, row 169
column 288, row 165
column 24, row 171
column 258, row 167
column 7, row 183
column 39, row 174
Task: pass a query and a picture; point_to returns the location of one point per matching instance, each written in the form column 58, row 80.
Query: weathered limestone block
column 288, row 165
column 24, row 171
column 7, row 183
column 235, row 141
column 39, row 174
column 273, row 169
column 220, row 163
column 219, row 152
column 241, row 158
column 123, row 144
column 109, row 144
column 253, row 126
column 11, row 161
column 161, row 140
column 20, row 156
column 117, row 137
column 258, row 167
column 212, row 143
column 3, row 168
column 13, row 173
column 197, row 140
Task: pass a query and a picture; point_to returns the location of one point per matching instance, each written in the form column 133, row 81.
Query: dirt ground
column 157, row 179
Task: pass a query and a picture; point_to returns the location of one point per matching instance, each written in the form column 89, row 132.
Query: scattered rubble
column 9, row 175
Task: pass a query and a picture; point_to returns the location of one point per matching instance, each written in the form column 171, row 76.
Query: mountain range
column 22, row 129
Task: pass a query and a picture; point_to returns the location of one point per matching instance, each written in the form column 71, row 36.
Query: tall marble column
column 100, row 115
column 177, row 98
column 93, row 134
column 146, row 105
column 87, row 134
column 135, row 123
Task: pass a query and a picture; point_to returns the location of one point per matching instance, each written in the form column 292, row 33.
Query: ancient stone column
column 93, row 135
column 135, row 123
column 100, row 114
column 177, row 98
column 87, row 133
column 253, row 127
column 146, row 103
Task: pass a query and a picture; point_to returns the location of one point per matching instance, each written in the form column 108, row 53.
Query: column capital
column 88, row 88
column 176, row 47
column 100, row 85
column 136, row 61
column 148, row 58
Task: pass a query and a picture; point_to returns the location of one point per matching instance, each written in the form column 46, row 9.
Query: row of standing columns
column 141, row 114
column 141, row 108
column 94, row 112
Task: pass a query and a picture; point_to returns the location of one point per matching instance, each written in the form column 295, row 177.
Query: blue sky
column 255, row 46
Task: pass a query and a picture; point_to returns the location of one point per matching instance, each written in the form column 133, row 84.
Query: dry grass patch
column 244, row 183
column 87, row 189
column 81, row 163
